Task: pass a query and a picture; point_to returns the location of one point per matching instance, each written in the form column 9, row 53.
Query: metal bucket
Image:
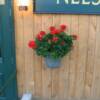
column 52, row 63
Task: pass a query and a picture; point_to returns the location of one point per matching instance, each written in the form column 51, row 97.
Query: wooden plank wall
column 79, row 76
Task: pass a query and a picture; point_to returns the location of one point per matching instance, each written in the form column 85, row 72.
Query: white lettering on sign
column 2, row 2
column 96, row 3
column 58, row 1
column 66, row 1
column 75, row 2
column 83, row 2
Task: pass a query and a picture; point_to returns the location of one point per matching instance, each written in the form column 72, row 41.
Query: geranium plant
column 56, row 43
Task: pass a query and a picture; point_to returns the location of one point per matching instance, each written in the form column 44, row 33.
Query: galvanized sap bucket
column 52, row 63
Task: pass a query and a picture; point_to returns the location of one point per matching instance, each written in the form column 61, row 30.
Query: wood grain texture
column 78, row 78
column 73, row 61
column 37, row 60
column 19, row 48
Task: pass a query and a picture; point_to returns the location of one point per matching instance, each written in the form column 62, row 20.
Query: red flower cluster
column 53, row 30
column 32, row 44
column 57, row 42
column 63, row 27
column 40, row 35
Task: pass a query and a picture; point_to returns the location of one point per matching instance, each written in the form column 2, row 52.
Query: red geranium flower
column 52, row 28
column 56, row 31
column 55, row 39
column 39, row 37
column 63, row 27
column 42, row 33
column 75, row 37
column 32, row 44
